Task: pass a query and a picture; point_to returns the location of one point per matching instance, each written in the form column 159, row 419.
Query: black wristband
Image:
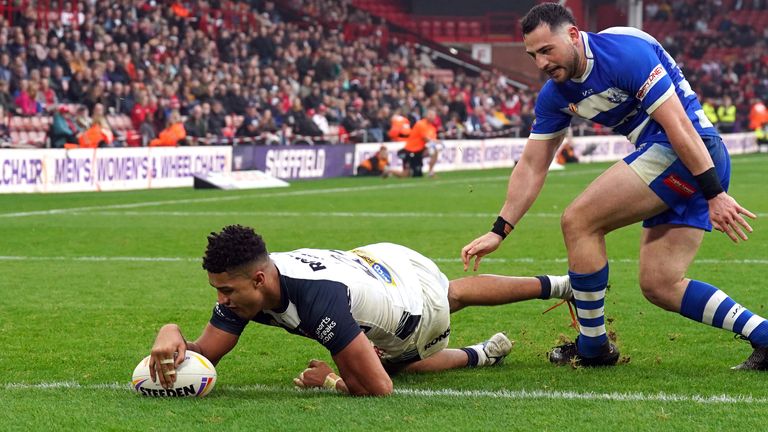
column 709, row 183
column 502, row 228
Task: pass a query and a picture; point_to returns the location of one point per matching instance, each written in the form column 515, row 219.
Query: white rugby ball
column 195, row 377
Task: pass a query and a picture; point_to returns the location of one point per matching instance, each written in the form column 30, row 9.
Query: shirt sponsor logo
column 379, row 268
column 653, row 78
column 383, row 272
column 679, row 186
column 324, row 331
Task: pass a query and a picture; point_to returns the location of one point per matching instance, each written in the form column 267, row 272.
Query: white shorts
column 422, row 282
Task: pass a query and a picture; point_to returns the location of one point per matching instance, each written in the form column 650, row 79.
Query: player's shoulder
column 301, row 263
column 550, row 97
column 621, row 43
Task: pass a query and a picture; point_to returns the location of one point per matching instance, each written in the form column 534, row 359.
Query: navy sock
column 589, row 296
column 472, row 357
column 546, row 287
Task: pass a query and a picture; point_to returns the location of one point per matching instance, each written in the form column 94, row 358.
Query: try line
column 444, row 393
column 751, row 261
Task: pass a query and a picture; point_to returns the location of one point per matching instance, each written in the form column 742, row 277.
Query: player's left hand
column 314, row 375
column 726, row 216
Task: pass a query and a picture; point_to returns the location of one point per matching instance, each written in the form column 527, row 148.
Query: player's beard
column 570, row 67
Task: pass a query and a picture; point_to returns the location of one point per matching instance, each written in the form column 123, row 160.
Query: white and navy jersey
column 628, row 75
column 332, row 295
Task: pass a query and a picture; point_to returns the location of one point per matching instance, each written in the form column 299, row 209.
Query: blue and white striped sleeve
column 550, row 122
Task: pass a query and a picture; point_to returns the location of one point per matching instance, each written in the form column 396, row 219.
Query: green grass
column 68, row 315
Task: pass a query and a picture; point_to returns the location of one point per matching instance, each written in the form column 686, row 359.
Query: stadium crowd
column 191, row 71
column 281, row 78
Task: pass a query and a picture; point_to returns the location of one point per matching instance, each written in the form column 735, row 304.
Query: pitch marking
column 450, row 393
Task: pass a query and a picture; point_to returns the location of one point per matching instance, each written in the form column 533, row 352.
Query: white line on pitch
column 451, row 393
column 751, row 261
column 260, row 195
column 320, row 214
column 303, row 214
column 278, row 194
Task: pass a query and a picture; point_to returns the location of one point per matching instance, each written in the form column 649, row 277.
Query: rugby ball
column 195, row 377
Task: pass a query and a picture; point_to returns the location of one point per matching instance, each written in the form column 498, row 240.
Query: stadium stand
column 143, row 59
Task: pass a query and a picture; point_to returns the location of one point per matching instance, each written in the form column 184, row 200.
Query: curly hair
column 232, row 248
column 552, row 14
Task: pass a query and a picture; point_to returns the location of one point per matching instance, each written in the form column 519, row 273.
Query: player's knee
column 572, row 222
column 454, row 298
column 657, row 287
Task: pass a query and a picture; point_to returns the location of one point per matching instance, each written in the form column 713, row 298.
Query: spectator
column 26, row 99
column 250, row 126
column 354, row 123
column 6, row 102
column 63, row 130
column 400, row 127
column 173, row 135
column 196, row 126
column 118, row 101
column 376, row 165
column 320, row 120
column 217, row 120
column 5, row 128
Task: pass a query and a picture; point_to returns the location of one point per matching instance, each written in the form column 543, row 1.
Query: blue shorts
column 658, row 165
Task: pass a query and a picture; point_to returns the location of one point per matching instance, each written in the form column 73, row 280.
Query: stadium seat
column 475, row 29
column 463, row 29
column 450, row 29
column 437, row 29
column 425, row 28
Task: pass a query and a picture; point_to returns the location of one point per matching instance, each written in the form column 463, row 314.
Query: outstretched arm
column 525, row 183
column 724, row 211
column 170, row 347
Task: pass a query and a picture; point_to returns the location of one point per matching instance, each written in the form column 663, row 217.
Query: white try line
column 282, row 193
column 523, row 260
column 437, row 393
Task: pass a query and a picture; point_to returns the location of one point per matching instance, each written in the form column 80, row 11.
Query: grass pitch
column 88, row 279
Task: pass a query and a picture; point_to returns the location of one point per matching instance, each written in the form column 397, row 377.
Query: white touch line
column 451, row 393
column 319, row 214
column 438, row 260
column 303, row 214
column 260, row 195
column 468, row 181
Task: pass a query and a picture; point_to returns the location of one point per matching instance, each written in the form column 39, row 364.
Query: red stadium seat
column 425, row 28
column 463, row 29
column 437, row 29
column 475, row 29
column 450, row 29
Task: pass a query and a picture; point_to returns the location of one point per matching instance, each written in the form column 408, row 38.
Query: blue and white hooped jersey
column 332, row 296
column 628, row 75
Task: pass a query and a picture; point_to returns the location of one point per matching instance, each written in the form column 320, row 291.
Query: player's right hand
column 167, row 353
column 479, row 248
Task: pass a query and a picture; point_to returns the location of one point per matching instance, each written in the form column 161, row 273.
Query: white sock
column 561, row 287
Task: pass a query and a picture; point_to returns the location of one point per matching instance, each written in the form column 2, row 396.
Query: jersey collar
column 590, row 59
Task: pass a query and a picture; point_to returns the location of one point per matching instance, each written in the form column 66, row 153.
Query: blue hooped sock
column 706, row 304
column 589, row 296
